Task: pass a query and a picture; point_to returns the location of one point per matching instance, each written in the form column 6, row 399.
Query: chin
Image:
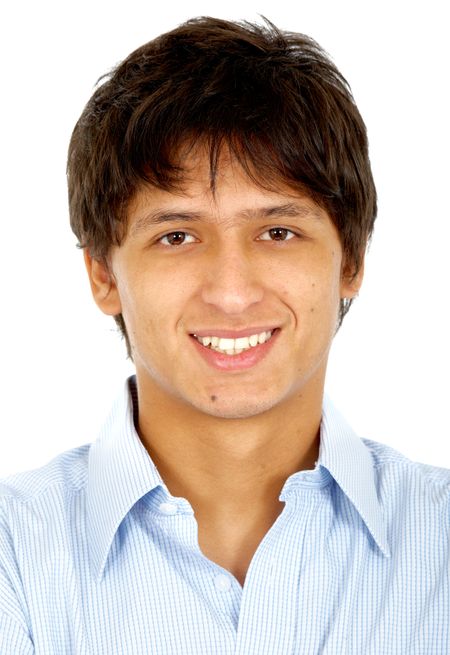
column 236, row 408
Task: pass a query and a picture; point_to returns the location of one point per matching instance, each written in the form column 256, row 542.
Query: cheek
column 152, row 303
column 318, row 293
column 314, row 281
column 325, row 308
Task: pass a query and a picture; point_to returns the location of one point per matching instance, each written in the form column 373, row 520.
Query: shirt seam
column 70, row 490
column 416, row 467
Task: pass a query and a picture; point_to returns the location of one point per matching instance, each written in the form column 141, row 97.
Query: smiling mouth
column 227, row 346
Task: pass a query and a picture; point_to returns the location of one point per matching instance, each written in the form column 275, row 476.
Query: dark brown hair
column 272, row 97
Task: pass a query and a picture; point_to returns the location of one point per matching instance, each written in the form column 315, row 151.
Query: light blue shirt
column 97, row 557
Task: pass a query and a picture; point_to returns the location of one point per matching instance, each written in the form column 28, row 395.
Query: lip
column 233, row 334
column 242, row 362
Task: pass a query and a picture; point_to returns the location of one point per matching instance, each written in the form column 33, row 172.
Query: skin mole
column 213, row 398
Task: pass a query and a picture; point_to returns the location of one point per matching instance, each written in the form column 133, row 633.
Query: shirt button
column 222, row 582
column 168, row 508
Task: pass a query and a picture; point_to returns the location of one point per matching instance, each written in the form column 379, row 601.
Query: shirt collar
column 350, row 463
column 120, row 472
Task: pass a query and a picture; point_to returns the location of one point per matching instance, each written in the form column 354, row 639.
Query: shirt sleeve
column 13, row 638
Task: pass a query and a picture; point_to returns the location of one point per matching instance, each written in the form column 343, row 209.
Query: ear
column 103, row 285
column 351, row 282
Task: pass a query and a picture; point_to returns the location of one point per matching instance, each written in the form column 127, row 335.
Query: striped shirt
column 97, row 557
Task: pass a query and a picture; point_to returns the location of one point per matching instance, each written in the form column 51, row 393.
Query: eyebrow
column 291, row 209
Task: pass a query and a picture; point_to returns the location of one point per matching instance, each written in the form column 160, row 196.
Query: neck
column 218, row 464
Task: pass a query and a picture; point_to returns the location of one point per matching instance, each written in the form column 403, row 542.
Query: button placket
column 271, row 573
column 222, row 582
column 261, row 632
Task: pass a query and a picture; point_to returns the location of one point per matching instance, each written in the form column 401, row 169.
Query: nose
column 232, row 281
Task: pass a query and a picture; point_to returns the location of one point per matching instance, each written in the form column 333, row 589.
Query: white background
column 62, row 361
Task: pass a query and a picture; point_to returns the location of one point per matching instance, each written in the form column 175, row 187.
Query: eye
column 277, row 234
column 176, row 239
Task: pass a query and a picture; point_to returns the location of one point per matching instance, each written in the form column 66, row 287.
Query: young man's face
column 236, row 263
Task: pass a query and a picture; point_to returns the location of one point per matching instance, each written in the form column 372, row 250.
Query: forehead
column 233, row 194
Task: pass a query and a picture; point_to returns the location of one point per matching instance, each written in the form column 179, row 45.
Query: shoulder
column 404, row 483
column 34, row 505
column 65, row 474
column 37, row 506
column 392, row 461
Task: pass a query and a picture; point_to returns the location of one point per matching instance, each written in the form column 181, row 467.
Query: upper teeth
column 235, row 346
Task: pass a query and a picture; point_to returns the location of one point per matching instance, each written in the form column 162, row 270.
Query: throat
column 232, row 543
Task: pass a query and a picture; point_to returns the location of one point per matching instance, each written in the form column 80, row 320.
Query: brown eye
column 175, row 238
column 277, row 234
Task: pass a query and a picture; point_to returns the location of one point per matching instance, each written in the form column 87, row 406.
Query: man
column 220, row 187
